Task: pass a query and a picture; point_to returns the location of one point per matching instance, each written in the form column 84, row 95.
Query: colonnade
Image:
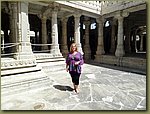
column 19, row 28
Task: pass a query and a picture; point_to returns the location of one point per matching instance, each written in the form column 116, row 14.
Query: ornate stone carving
column 17, row 63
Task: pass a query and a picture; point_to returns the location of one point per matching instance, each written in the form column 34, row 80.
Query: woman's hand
column 77, row 63
column 67, row 69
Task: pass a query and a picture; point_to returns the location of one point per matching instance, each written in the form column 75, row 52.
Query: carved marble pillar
column 128, row 40
column 13, row 25
column 44, row 33
column 24, row 50
column 112, row 48
column 87, row 50
column 141, row 43
column 64, row 37
column 77, row 33
column 100, row 47
column 120, row 47
column 2, row 42
column 55, row 46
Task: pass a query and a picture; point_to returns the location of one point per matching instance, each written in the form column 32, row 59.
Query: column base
column 56, row 51
column 45, row 48
column 100, row 50
column 24, row 52
column 98, row 58
column 64, row 49
column 119, row 51
column 22, row 56
column 80, row 48
column 87, row 54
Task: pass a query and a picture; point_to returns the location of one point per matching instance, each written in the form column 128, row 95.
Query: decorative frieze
column 43, row 56
column 7, row 64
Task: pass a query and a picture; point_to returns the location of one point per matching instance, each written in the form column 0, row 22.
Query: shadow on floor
column 63, row 88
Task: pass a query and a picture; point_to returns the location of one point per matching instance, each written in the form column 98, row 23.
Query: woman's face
column 74, row 47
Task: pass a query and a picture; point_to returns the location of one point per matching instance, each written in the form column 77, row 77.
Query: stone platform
column 101, row 88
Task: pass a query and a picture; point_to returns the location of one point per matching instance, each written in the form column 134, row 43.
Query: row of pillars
column 24, row 39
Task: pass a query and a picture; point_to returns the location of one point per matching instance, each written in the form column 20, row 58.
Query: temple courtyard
column 102, row 87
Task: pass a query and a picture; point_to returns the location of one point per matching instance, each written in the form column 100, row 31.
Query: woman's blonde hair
column 73, row 44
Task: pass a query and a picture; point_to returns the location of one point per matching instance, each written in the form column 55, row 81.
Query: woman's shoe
column 76, row 90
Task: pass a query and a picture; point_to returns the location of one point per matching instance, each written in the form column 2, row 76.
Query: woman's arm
column 81, row 59
column 67, row 67
column 67, row 62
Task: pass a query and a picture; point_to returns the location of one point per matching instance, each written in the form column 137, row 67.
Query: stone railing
column 90, row 6
column 112, row 6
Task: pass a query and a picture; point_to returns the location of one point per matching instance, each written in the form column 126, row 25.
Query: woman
column 74, row 61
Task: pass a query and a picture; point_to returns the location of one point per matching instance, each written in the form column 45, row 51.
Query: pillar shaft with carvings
column 87, row 50
column 13, row 25
column 112, row 48
column 55, row 46
column 24, row 49
column 100, row 48
column 44, row 33
column 2, row 42
column 141, row 43
column 77, row 33
column 120, row 47
column 127, row 41
column 64, row 37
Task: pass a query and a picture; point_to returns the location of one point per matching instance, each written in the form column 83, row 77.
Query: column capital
column 125, row 14
column 100, row 19
column 86, row 21
column 64, row 19
column 118, row 16
column 86, row 18
column 54, row 11
column 11, row 7
column 47, row 12
column 77, row 14
column 55, row 7
column 12, row 3
column 44, row 17
column 121, row 15
column 113, row 21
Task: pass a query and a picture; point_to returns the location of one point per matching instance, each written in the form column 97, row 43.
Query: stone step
column 50, row 65
column 31, row 77
column 8, row 72
column 44, row 60
column 24, row 82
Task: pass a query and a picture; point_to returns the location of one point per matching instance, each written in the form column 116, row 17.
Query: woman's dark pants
column 75, row 77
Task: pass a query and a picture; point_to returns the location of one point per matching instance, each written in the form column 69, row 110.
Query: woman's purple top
column 71, row 59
